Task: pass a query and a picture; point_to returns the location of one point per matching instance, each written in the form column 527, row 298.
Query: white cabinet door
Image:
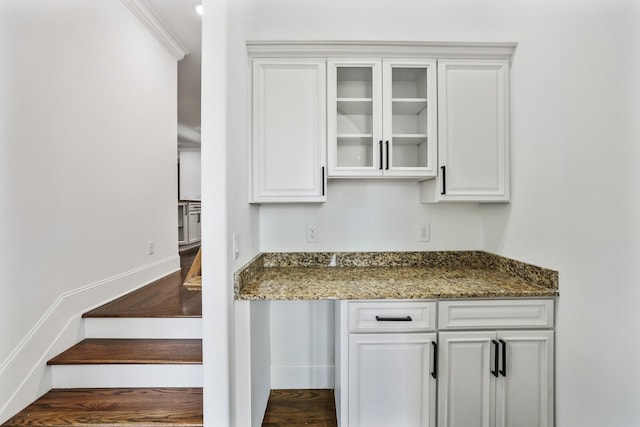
column 382, row 118
column 409, row 117
column 466, row 384
column 195, row 228
column 473, row 132
column 390, row 381
column 183, row 224
column 524, row 395
column 289, row 130
column 354, row 111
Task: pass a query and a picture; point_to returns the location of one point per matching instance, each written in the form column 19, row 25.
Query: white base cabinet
column 502, row 379
column 390, row 382
column 385, row 367
column 491, row 363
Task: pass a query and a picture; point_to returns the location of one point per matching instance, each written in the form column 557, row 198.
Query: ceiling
column 184, row 22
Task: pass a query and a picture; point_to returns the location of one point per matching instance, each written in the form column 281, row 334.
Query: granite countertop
column 391, row 275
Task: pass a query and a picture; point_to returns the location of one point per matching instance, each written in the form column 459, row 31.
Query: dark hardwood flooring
column 165, row 297
column 300, row 408
column 131, row 351
column 114, row 407
column 138, row 407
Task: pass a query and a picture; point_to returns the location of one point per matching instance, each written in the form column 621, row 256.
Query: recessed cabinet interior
column 381, row 117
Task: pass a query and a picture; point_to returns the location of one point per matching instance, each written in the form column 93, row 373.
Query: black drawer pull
column 495, row 369
column 394, row 319
column 503, row 371
column 444, row 179
column 434, row 373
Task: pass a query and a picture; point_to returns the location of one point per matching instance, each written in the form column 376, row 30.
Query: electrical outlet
column 236, row 245
column 425, row 233
column 312, row 233
column 151, row 247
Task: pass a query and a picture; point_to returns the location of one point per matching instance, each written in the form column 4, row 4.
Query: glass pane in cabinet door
column 355, row 152
column 354, row 116
column 409, row 121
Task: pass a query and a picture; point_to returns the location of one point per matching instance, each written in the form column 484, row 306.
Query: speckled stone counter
column 390, row 275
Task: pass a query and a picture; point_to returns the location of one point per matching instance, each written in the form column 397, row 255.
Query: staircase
column 140, row 364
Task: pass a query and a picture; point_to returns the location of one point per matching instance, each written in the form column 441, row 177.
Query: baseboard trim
column 292, row 377
column 24, row 374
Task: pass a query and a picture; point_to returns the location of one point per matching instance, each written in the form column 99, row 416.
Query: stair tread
column 93, row 351
column 165, row 297
column 114, row 407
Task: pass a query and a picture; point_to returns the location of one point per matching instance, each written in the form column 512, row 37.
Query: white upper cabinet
column 381, row 118
column 289, row 130
column 473, row 132
column 435, row 112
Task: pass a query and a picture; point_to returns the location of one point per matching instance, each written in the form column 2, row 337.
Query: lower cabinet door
column 524, row 394
column 466, row 378
column 390, row 381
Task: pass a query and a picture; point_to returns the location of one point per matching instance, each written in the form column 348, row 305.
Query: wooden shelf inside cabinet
column 404, row 106
column 355, row 106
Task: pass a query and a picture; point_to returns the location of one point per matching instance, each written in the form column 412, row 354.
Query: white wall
column 87, row 177
column 235, row 385
column 576, row 197
column 574, row 177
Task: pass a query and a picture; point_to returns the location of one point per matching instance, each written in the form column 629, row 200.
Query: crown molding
column 152, row 22
column 355, row 49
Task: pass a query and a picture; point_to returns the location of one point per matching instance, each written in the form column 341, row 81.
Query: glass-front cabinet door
column 354, row 117
column 409, row 117
column 381, row 118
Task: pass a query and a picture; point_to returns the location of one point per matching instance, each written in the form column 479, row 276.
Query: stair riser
column 129, row 376
column 178, row 328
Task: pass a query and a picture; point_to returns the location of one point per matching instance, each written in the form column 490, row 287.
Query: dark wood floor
column 114, row 407
column 164, row 298
column 300, row 408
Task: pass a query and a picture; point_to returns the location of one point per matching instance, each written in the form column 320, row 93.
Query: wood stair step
column 131, row 351
column 114, row 407
column 165, row 297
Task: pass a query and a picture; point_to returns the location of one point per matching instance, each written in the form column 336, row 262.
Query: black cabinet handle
column 444, row 179
column 394, row 319
column 503, row 371
column 434, row 373
column 380, row 145
column 494, row 371
column 386, row 143
column 323, row 180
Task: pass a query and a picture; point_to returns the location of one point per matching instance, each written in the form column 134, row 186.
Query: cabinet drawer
column 494, row 314
column 400, row 316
